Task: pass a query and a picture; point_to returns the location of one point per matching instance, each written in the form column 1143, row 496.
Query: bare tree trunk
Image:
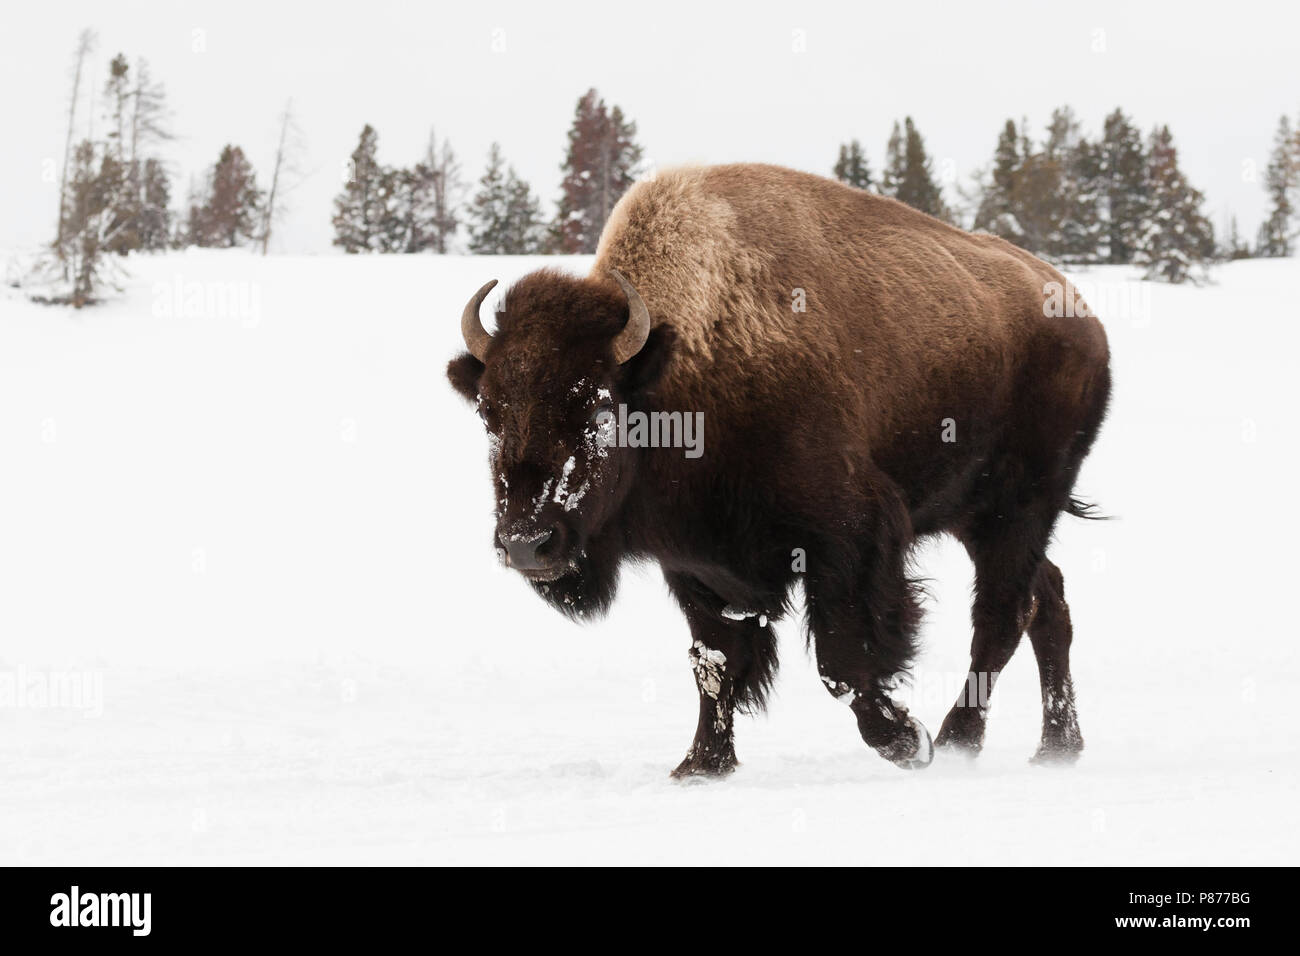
column 85, row 43
column 285, row 164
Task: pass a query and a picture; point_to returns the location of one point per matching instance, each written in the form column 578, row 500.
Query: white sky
column 704, row 82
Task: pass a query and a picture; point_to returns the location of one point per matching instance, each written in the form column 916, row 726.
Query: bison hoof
column 706, row 766
column 961, row 748
column 962, row 731
column 911, row 751
column 1056, row 755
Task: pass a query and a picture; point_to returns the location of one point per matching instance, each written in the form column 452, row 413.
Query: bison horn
column 630, row 341
column 471, row 326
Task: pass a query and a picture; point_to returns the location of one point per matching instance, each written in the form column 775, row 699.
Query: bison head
column 567, row 352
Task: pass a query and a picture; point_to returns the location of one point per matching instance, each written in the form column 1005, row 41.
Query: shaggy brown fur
column 829, row 435
column 933, row 317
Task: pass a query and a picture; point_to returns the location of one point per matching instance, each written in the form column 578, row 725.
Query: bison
column 867, row 376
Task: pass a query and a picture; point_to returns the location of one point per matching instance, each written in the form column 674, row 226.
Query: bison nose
column 523, row 550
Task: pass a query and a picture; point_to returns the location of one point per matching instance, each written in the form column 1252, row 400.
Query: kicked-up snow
column 250, row 611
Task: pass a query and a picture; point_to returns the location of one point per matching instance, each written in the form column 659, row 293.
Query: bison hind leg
column 1051, row 633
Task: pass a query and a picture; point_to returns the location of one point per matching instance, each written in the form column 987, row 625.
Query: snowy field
column 244, row 546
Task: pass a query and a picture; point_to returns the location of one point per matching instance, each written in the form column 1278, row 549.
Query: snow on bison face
column 566, row 354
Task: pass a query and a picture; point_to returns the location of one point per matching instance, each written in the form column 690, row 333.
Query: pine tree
column 1007, row 158
column 523, row 216
column 232, row 212
column 154, row 224
column 1174, row 236
column 417, row 199
column 394, row 229
column 1063, row 133
column 1233, row 247
column 1123, row 176
column 1082, row 228
column 894, row 162
column 90, row 225
column 1044, row 200
column 359, row 210
column 189, row 231
column 1041, row 205
column 505, row 217
column 119, row 174
column 1056, row 203
column 917, row 187
column 995, row 212
column 852, row 167
column 117, row 97
column 1281, row 180
column 489, row 219
column 599, row 166
column 84, row 210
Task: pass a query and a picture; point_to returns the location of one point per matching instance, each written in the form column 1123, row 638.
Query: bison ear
column 643, row 370
column 463, row 372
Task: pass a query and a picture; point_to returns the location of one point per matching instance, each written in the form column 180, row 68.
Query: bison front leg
column 732, row 655
column 713, row 751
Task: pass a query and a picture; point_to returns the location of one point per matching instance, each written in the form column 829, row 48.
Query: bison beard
column 587, row 590
column 922, row 390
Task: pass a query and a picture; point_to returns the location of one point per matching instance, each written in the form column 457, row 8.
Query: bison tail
column 1084, row 509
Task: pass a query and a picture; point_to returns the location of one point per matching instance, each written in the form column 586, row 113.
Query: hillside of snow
column 245, row 517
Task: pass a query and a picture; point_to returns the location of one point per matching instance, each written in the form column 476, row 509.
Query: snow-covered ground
column 244, row 515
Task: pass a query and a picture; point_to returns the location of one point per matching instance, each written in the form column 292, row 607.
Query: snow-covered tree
column 505, row 216
column 600, row 165
column 405, row 196
column 1074, row 234
column 153, row 224
column 1174, row 238
column 851, row 167
column 1123, row 175
column 90, row 223
column 996, row 211
column 488, row 223
column 359, row 210
column 131, row 185
column 113, row 198
column 1282, row 181
column 232, row 212
column 429, row 196
column 1082, row 230
column 1233, row 246
column 437, row 205
column 524, row 214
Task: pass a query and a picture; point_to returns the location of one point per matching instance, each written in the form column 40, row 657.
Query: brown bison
column 868, row 375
